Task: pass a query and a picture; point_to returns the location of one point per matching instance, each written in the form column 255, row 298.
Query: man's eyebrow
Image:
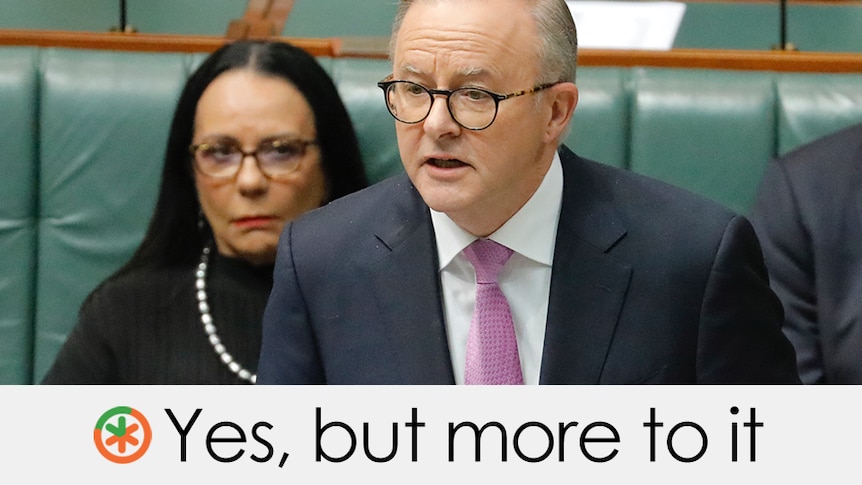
column 473, row 71
column 467, row 72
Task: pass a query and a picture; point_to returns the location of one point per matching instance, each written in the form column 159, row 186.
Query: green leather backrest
column 80, row 15
column 814, row 105
column 811, row 27
column 600, row 128
column 711, row 132
column 356, row 80
column 339, row 18
column 18, row 184
column 103, row 127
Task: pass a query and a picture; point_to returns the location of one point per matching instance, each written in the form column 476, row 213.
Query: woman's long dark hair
column 173, row 236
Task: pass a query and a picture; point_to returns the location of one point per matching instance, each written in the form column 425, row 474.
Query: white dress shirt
column 525, row 279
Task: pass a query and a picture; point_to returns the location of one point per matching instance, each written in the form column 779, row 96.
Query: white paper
column 626, row 25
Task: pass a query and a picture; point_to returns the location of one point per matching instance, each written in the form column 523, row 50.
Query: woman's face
column 247, row 212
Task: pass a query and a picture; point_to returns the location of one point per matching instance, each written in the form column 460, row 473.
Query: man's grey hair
column 558, row 38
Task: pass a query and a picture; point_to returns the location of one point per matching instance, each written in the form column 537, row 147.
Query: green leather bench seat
column 84, row 134
column 356, row 80
column 827, row 27
column 103, row 127
column 711, row 132
column 18, row 103
column 600, row 127
column 813, row 105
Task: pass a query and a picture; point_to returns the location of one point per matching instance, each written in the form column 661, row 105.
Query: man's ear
column 564, row 99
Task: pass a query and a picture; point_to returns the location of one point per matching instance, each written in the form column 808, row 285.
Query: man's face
column 479, row 178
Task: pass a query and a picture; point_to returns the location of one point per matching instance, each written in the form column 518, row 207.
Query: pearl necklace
column 207, row 321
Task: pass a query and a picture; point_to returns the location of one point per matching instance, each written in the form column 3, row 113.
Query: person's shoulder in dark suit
column 698, row 277
column 808, row 217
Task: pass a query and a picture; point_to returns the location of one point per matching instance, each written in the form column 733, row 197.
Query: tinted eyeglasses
column 275, row 157
column 472, row 108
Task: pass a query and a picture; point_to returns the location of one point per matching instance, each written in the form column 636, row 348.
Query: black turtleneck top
column 145, row 328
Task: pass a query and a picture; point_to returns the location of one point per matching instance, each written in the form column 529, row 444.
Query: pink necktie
column 492, row 350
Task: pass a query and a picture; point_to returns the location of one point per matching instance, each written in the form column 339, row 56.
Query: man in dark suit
column 808, row 215
column 614, row 278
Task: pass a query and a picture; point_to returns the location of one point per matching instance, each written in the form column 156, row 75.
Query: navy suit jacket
column 650, row 284
column 809, row 216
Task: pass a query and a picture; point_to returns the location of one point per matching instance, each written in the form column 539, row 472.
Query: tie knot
column 487, row 258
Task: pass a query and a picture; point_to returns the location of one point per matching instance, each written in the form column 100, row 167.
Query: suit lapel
column 408, row 291
column 588, row 286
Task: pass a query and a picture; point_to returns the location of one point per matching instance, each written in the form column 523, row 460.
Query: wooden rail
column 146, row 42
column 372, row 47
column 742, row 60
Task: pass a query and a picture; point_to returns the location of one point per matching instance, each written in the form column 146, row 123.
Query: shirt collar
column 531, row 232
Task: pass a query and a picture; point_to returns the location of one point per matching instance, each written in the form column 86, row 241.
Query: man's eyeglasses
column 472, row 108
column 275, row 157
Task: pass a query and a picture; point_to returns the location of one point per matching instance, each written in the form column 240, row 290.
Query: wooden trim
column 742, row 60
column 146, row 42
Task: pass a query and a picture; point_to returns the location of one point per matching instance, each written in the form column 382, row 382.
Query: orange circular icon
column 122, row 434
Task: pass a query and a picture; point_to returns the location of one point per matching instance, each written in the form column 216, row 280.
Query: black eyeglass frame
column 302, row 142
column 497, row 97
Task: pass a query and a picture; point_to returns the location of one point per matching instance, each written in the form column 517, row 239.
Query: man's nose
column 439, row 121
